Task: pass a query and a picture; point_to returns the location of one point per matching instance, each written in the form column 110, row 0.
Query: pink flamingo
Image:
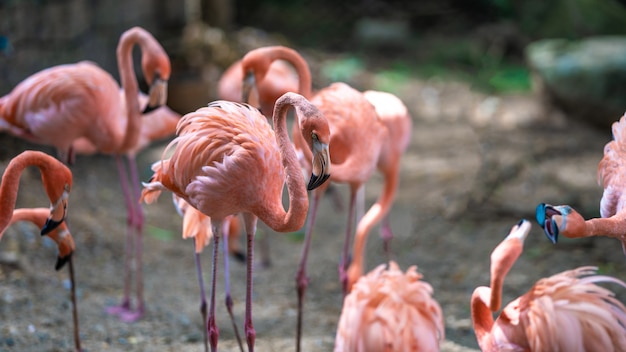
column 228, row 160
column 196, row 225
column 358, row 136
column 564, row 312
column 61, row 104
column 564, row 220
column 388, row 310
column 57, row 182
column 65, row 243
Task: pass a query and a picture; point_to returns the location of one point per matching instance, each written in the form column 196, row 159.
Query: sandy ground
column 476, row 166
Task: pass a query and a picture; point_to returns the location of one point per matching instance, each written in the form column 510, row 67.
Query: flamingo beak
column 543, row 214
column 58, row 213
column 61, row 261
column 249, row 82
column 321, row 165
column 157, row 95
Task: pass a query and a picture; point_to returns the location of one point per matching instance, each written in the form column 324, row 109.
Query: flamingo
column 388, row 310
column 564, row 312
column 61, row 104
column 358, row 137
column 228, row 160
column 57, row 182
column 65, row 243
column 198, row 226
column 565, row 220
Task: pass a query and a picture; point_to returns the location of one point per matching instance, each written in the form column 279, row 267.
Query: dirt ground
column 477, row 164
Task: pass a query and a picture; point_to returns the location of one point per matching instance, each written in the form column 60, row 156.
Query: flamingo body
column 564, row 312
column 388, row 310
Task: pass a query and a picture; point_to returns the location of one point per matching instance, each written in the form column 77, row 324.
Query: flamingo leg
column 344, row 262
column 387, row 235
column 137, row 225
column 212, row 329
column 302, row 280
column 128, row 254
column 250, row 222
column 203, row 310
column 74, row 308
column 229, row 299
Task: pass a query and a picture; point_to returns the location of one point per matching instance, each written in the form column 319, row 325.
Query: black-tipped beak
column 149, row 108
column 61, row 261
column 543, row 214
column 49, row 226
column 316, row 181
column 240, row 256
column 157, row 96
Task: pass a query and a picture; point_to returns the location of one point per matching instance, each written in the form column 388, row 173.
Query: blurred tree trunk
column 218, row 13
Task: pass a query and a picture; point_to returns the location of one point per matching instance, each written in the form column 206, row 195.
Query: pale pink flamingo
column 357, row 138
column 196, row 225
column 57, row 182
column 564, row 220
column 59, row 105
column 65, row 243
column 388, row 310
column 564, row 312
column 228, row 160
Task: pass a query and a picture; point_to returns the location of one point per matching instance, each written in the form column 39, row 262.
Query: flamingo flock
column 227, row 165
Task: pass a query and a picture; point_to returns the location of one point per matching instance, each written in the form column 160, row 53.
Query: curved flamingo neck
column 370, row 219
column 502, row 259
column 293, row 219
column 130, row 86
column 297, row 61
column 482, row 318
column 11, row 181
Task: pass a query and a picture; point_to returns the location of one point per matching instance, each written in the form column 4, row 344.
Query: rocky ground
column 476, row 165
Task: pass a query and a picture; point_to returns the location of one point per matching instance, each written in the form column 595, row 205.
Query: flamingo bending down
column 564, row 312
column 564, row 220
column 228, row 160
column 388, row 310
column 357, row 139
column 196, row 225
column 65, row 243
column 57, row 182
column 59, row 105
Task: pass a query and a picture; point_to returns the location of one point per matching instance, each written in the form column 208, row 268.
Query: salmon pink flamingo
column 564, row 220
column 61, row 104
column 357, row 138
column 65, row 243
column 388, row 310
column 564, row 312
column 228, row 160
column 196, row 225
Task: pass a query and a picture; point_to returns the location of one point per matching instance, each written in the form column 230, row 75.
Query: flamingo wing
column 612, row 171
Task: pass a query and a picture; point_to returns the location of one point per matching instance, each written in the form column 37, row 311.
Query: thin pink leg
column 202, row 296
column 344, row 262
column 137, row 226
column 128, row 250
column 250, row 222
column 302, row 280
column 212, row 329
column 387, row 235
column 229, row 299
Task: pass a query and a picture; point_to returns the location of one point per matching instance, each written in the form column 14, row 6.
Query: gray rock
column 586, row 78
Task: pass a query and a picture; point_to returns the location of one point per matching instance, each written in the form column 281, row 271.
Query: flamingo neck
column 11, row 181
column 482, row 317
column 130, row 86
column 370, row 219
column 294, row 218
column 301, row 66
column 614, row 226
column 503, row 258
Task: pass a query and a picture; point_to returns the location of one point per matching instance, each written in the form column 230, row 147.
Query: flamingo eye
column 314, row 136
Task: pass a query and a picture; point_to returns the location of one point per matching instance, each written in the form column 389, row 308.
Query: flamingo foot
column 125, row 313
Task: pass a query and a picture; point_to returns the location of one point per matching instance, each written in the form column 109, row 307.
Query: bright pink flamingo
column 196, row 225
column 65, row 243
column 59, row 105
column 57, row 182
column 564, row 220
column 357, row 139
column 388, row 310
column 228, row 160
column 564, row 312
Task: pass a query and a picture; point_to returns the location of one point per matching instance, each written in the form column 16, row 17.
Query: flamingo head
column 559, row 219
column 316, row 133
column 156, row 70
column 58, row 186
column 65, row 242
